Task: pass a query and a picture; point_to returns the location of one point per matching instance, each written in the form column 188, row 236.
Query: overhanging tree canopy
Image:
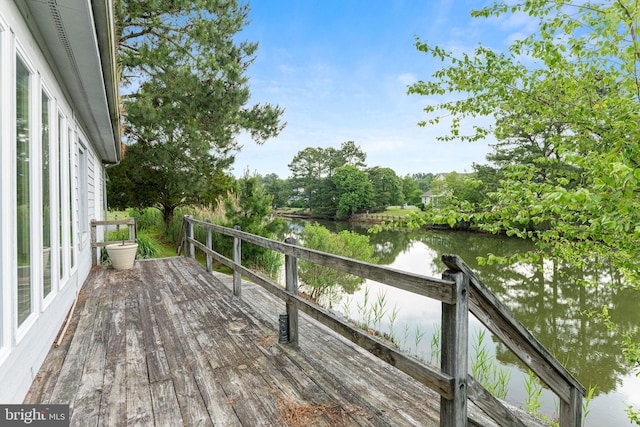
column 583, row 85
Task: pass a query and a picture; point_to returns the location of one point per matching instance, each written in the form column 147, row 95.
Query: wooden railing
column 459, row 290
column 376, row 218
column 96, row 245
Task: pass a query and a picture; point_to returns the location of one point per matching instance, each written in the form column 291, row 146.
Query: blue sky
column 340, row 69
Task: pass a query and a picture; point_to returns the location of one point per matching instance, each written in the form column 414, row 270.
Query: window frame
column 26, row 323
column 6, row 195
column 52, row 178
column 62, row 153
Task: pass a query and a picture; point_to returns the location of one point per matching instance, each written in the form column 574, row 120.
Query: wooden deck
column 166, row 344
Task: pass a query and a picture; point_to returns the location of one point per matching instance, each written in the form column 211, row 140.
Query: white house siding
column 74, row 189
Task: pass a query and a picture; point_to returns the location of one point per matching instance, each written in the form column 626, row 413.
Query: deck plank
column 166, row 408
column 157, row 364
column 113, row 408
column 47, row 378
column 181, row 361
column 208, row 358
column 87, row 405
column 71, row 370
column 138, row 398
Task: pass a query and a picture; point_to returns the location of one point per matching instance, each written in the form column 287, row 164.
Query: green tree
column 312, row 169
column 354, row 191
column 387, row 187
column 424, row 180
column 308, row 168
column 486, row 181
column 459, row 186
column 324, row 282
column 326, row 200
column 411, row 190
column 162, row 176
column 184, row 94
column 576, row 83
column 583, row 95
column 350, row 154
column 248, row 206
column 277, row 188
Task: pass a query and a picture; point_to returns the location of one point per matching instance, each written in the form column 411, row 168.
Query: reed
column 533, row 388
column 379, row 309
column 393, row 316
column 419, row 334
column 585, row 404
column 485, row 368
column 434, row 357
column 364, row 311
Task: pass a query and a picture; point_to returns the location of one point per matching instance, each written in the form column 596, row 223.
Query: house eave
column 80, row 38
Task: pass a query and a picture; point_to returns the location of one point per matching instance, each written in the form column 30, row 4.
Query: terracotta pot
column 122, row 256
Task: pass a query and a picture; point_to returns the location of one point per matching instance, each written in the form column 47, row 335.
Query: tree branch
column 636, row 48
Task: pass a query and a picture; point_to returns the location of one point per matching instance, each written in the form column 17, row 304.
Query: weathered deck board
column 167, row 344
column 138, row 397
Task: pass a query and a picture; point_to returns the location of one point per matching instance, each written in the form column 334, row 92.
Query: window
column 46, row 199
column 23, row 195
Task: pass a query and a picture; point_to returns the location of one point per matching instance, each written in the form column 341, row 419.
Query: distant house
column 426, row 197
column 430, row 199
column 440, row 177
column 59, row 128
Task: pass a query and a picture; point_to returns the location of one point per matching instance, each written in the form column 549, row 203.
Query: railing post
column 183, row 235
column 192, row 248
column 209, row 245
column 291, row 271
column 132, row 229
column 455, row 342
column 237, row 258
column 94, row 238
column 571, row 412
column 188, row 234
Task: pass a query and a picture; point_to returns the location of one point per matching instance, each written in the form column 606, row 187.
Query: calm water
column 550, row 301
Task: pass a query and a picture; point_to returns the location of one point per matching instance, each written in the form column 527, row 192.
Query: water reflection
column 551, row 300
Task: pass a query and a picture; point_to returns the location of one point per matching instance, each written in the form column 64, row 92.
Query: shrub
column 325, row 282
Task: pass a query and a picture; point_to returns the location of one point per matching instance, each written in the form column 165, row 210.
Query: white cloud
column 407, row 78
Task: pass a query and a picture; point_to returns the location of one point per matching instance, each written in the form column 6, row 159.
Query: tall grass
column 147, row 219
column 147, row 247
column 267, row 261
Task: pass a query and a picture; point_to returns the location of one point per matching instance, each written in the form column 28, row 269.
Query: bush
column 324, row 282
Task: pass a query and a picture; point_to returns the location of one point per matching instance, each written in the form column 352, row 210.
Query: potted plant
column 122, row 255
